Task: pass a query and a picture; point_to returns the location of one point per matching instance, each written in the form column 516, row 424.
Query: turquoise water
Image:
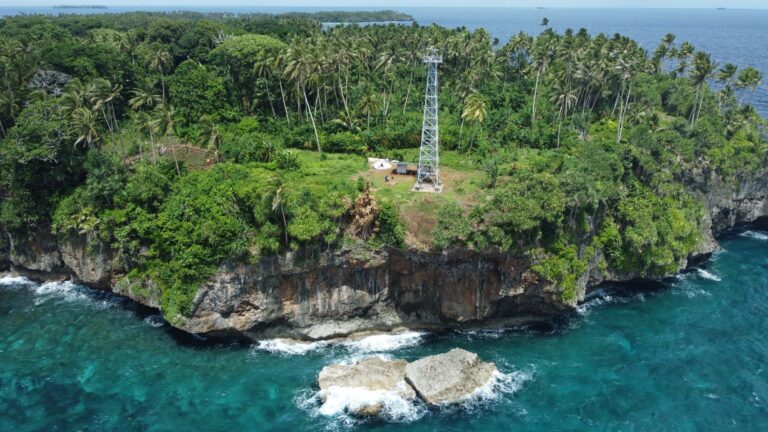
column 690, row 356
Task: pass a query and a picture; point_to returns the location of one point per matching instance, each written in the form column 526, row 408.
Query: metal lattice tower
column 428, row 175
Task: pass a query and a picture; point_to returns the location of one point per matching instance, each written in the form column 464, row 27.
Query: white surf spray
column 498, row 386
column 15, row 281
column 707, row 275
column 369, row 344
column 384, row 342
column 756, row 235
column 155, row 321
column 341, row 401
column 287, row 346
column 66, row 291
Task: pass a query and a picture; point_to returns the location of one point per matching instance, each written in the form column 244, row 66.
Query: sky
column 732, row 4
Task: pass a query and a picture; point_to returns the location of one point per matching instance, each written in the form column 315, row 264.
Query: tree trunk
column 695, row 104
column 535, row 95
column 343, row 98
column 269, row 98
column 285, row 224
column 623, row 114
column 285, row 106
column 175, row 159
column 312, row 117
column 408, row 92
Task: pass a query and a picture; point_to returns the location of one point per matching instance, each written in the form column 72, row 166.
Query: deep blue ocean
column 737, row 36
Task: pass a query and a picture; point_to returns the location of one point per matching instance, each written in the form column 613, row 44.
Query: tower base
column 427, row 187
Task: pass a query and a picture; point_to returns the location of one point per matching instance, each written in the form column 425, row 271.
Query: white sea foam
column 368, row 344
column 340, row 401
column 585, row 308
column 15, row 280
column 66, row 291
column 155, row 320
column 756, row 235
column 384, row 342
column 337, row 403
column 499, row 385
column 288, row 346
column 707, row 275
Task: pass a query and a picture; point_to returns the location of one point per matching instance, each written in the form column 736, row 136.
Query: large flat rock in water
column 372, row 381
column 449, row 378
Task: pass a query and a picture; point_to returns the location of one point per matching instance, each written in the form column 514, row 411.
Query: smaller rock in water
column 449, row 378
column 378, row 378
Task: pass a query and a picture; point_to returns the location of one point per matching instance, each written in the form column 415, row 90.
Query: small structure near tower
column 428, row 173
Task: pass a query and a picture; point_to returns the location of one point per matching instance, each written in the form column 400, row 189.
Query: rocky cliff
column 318, row 295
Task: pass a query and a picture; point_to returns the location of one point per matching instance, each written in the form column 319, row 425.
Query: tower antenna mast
column 428, row 174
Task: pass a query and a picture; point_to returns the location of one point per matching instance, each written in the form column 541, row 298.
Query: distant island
column 353, row 17
column 65, row 6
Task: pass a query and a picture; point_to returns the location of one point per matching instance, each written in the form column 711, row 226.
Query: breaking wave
column 368, row 344
column 707, row 275
column 337, row 403
column 155, row 320
column 15, row 280
column 62, row 291
column 756, row 235
column 340, row 402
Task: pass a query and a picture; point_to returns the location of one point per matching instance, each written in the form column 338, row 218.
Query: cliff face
column 322, row 295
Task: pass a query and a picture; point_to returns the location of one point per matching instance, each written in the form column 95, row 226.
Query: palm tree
column 165, row 118
column 159, row 60
column 703, row 69
column 626, row 70
column 85, row 127
column 540, row 64
column 143, row 98
column 277, row 64
column 76, row 95
column 278, row 198
column 263, row 70
column 210, row 136
column 750, row 78
column 147, row 124
column 300, row 70
column 474, row 111
column 564, row 98
column 725, row 77
column 684, row 55
column 369, row 104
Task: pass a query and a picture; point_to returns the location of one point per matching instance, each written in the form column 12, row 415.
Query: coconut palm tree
column 210, row 135
column 474, row 111
column 300, row 69
column 263, row 70
column 749, row 78
column 725, row 77
column 684, row 56
column 143, row 98
column 703, row 69
column 369, row 104
column 278, row 202
column 159, row 60
column 564, row 98
column 165, row 118
column 542, row 58
column 85, row 127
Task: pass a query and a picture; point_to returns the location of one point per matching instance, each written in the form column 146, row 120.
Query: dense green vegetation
column 186, row 140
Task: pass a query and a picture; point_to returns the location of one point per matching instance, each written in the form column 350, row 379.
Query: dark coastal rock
column 39, row 253
column 313, row 295
column 88, row 259
column 449, row 378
